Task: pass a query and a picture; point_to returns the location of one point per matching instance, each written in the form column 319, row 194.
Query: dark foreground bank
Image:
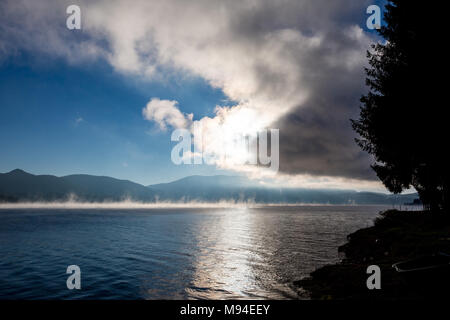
column 417, row 236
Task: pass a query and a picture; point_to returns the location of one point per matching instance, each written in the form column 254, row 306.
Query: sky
column 104, row 100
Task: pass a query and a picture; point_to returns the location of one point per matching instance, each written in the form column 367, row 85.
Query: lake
column 178, row 253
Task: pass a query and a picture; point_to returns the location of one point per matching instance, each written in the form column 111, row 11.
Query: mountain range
column 18, row 185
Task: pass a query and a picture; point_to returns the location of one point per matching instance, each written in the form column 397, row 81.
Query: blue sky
column 57, row 118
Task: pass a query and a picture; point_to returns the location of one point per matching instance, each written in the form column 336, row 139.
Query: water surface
column 239, row 253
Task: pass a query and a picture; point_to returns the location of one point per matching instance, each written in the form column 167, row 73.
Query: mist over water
column 170, row 253
column 127, row 205
column 132, row 204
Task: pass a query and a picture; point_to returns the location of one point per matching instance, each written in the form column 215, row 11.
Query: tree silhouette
column 402, row 121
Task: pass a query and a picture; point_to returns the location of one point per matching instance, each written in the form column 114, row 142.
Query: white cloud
column 166, row 113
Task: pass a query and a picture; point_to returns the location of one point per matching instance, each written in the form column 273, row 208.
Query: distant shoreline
column 19, row 186
column 165, row 205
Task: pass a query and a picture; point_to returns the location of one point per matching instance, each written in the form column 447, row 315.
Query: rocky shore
column 396, row 236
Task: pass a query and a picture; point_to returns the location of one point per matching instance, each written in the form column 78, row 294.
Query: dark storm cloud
column 316, row 137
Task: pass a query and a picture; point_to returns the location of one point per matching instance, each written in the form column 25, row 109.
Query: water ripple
column 181, row 253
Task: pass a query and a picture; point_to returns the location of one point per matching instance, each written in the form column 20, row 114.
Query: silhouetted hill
column 203, row 188
column 198, row 181
column 19, row 185
column 217, row 188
